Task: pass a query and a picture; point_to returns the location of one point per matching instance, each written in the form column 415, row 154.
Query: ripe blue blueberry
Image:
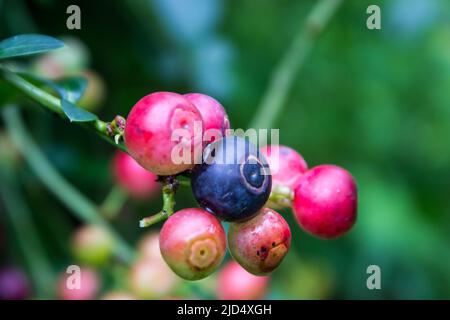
column 234, row 180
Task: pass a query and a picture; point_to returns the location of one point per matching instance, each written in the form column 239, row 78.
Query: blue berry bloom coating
column 233, row 182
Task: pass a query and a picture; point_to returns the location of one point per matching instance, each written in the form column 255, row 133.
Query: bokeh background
column 376, row 102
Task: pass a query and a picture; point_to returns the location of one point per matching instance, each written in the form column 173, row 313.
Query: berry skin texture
column 235, row 283
column 286, row 165
column 260, row 244
column 92, row 245
column 192, row 243
column 89, row 286
column 14, row 284
column 149, row 128
column 325, row 202
column 234, row 180
column 151, row 279
column 132, row 177
column 215, row 119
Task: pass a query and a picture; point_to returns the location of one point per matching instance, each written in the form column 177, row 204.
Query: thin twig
column 275, row 96
column 113, row 202
column 53, row 104
column 168, row 194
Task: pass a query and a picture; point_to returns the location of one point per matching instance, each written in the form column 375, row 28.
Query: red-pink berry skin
column 325, row 202
column 286, row 165
column 89, row 286
column 215, row 118
column 132, row 177
column 235, row 283
column 193, row 243
column 149, row 128
column 261, row 243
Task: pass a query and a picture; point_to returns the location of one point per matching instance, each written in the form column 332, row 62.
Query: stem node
column 170, row 185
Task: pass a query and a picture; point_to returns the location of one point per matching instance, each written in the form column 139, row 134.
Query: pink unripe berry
column 92, row 245
column 193, row 243
column 260, row 244
column 215, row 119
column 149, row 247
column 151, row 279
column 149, row 129
column 235, row 283
column 131, row 176
column 286, row 165
column 89, row 284
column 325, row 202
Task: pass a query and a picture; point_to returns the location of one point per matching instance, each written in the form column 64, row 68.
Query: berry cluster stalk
column 168, row 195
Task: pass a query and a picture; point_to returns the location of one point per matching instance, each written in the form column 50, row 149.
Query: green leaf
column 76, row 114
column 71, row 89
column 27, row 44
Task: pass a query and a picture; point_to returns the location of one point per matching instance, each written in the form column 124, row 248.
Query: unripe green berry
column 92, row 245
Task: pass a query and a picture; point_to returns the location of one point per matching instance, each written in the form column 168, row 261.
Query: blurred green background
column 375, row 102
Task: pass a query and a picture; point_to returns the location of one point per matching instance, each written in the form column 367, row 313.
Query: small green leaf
column 27, row 44
column 71, row 88
column 76, row 114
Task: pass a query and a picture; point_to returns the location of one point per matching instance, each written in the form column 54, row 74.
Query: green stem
column 168, row 194
column 185, row 182
column 113, row 202
column 275, row 96
column 82, row 207
column 54, row 104
column 26, row 233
